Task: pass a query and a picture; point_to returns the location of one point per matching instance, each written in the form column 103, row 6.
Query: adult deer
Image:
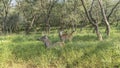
column 66, row 36
column 48, row 43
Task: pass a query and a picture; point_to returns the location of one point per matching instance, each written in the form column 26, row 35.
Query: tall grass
column 24, row 51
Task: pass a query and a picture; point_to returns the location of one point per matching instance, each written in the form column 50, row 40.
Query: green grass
column 85, row 51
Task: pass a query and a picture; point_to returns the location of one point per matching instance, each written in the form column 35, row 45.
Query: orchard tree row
column 45, row 15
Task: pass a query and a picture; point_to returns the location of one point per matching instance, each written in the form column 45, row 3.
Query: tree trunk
column 5, row 16
column 98, row 33
column 47, row 20
column 30, row 25
column 105, row 18
column 92, row 20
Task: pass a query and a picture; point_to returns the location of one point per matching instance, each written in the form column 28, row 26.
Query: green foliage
column 83, row 52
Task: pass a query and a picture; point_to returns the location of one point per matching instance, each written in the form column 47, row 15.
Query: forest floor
column 85, row 51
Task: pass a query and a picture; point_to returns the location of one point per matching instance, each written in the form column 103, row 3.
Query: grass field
column 24, row 51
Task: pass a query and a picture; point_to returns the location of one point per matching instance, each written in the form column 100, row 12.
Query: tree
column 4, row 12
column 47, row 19
column 105, row 18
column 92, row 20
column 112, row 10
column 29, row 12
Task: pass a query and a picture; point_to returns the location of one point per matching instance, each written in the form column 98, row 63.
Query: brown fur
column 65, row 36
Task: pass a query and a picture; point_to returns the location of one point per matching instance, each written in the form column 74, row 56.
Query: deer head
column 45, row 40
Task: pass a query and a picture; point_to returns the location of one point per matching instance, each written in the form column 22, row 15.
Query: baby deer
column 48, row 43
column 65, row 36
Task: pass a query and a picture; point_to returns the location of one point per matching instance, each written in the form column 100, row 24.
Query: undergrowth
column 85, row 51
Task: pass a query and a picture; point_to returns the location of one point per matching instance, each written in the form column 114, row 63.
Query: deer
column 65, row 36
column 48, row 43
